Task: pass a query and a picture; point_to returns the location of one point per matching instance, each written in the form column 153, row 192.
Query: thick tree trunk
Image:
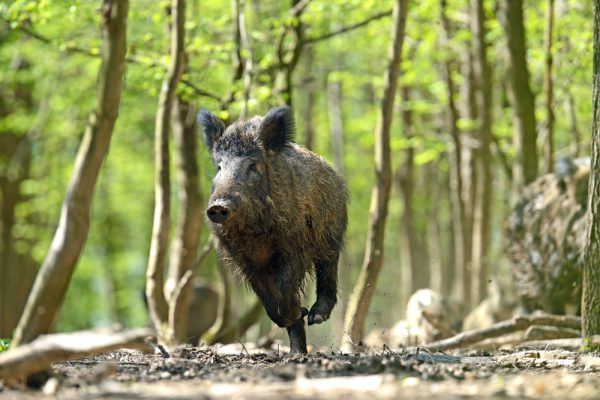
column 53, row 279
column 590, row 301
column 482, row 200
column 17, row 269
column 155, row 280
column 185, row 245
column 365, row 286
column 525, row 167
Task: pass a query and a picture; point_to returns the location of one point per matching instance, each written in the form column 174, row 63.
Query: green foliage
column 109, row 282
column 4, row 344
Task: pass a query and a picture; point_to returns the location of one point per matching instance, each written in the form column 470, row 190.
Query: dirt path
column 234, row 372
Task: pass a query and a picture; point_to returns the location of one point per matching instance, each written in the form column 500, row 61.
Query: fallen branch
column 467, row 338
column 23, row 361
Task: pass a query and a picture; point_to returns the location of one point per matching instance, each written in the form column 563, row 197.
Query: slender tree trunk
column 440, row 273
column 185, row 245
column 462, row 287
column 249, row 63
column 365, row 287
column 549, row 87
column 415, row 274
column 155, row 279
column 573, row 123
column 307, row 123
column 53, row 279
column 590, row 301
column 482, row 200
column 336, row 126
column 525, row 166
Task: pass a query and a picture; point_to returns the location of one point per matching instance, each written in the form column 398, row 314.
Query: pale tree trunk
column 483, row 158
column 549, row 88
column 249, row 62
column 52, row 281
column 155, row 279
column 336, row 126
column 362, row 294
column 440, row 275
column 525, row 166
column 462, row 282
column 590, row 301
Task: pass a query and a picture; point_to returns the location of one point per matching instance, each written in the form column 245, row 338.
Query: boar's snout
column 221, row 210
column 217, row 214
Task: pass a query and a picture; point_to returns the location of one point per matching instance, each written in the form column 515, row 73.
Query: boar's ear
column 277, row 128
column 213, row 127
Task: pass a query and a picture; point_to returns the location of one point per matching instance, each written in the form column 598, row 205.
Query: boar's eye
column 252, row 167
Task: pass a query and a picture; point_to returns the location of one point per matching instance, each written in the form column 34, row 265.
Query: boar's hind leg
column 326, row 291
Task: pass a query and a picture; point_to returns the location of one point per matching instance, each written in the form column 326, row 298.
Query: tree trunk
column 155, row 280
column 249, row 62
column 440, row 273
column 365, row 287
column 415, row 274
column 525, row 166
column 336, row 126
column 52, row 280
column 185, row 245
column 590, row 301
column 482, row 199
column 462, row 283
column 549, row 88
column 308, row 89
column 17, row 269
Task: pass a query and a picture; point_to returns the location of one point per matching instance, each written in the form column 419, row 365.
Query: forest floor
column 241, row 372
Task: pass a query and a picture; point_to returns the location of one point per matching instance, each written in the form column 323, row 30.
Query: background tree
column 590, row 303
column 365, row 286
column 525, row 167
column 52, row 280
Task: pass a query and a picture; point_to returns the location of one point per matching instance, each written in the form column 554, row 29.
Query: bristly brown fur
column 289, row 219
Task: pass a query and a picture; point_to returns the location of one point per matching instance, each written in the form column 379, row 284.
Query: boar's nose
column 217, row 214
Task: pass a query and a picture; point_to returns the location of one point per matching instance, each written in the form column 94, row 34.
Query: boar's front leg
column 326, row 272
column 282, row 304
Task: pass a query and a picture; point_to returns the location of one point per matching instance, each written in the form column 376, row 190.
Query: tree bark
column 462, row 282
column 365, row 287
column 549, row 88
column 480, row 243
column 525, row 167
column 336, row 126
column 155, row 280
column 415, row 274
column 53, row 278
column 590, row 300
column 185, row 245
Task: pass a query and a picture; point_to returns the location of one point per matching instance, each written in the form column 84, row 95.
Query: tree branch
column 348, row 28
